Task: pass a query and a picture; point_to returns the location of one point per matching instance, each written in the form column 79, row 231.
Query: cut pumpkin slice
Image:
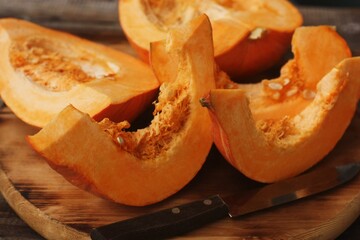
column 316, row 50
column 249, row 36
column 43, row 71
column 146, row 166
column 270, row 150
column 278, row 128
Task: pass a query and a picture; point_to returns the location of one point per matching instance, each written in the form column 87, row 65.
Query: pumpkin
column 294, row 89
column 43, row 71
column 279, row 128
column 148, row 165
column 249, row 36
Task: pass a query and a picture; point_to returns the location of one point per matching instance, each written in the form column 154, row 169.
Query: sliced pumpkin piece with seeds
column 148, row 165
column 249, row 36
column 279, row 128
column 43, row 71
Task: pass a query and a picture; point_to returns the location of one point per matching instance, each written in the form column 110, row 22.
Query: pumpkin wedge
column 249, row 36
column 43, row 71
column 316, row 50
column 150, row 164
column 269, row 131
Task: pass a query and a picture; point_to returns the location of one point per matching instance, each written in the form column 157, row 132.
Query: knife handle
column 165, row 223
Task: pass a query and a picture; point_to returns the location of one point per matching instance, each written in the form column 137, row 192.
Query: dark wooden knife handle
column 165, row 223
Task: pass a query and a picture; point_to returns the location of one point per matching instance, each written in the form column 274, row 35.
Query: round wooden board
column 58, row 210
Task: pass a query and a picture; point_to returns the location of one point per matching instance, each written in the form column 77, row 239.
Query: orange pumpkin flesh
column 42, row 71
column 249, row 36
column 146, row 166
column 271, row 138
column 295, row 88
column 269, row 151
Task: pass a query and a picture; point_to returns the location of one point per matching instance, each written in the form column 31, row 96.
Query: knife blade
column 184, row 218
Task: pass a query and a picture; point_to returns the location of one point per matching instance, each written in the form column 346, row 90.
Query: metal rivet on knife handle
column 175, row 210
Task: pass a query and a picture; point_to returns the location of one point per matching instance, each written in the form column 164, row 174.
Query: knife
column 184, row 218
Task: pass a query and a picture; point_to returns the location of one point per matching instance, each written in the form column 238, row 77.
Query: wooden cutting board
column 57, row 210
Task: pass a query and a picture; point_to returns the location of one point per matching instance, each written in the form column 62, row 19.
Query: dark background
column 328, row 2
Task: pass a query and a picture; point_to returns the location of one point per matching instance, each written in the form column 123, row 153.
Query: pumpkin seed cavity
column 276, row 130
column 169, row 14
column 171, row 112
column 57, row 66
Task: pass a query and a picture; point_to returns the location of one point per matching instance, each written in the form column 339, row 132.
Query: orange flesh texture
column 272, row 151
column 295, row 88
column 45, row 70
column 164, row 63
column 240, row 28
column 150, row 164
column 332, row 48
column 163, row 59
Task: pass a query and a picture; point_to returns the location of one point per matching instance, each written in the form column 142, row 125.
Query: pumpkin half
column 249, row 36
column 42, row 71
column 279, row 128
column 150, row 164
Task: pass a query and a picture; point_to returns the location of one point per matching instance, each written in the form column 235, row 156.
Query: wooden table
column 106, row 27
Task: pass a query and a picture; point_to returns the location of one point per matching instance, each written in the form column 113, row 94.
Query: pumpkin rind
column 249, row 36
column 269, row 139
column 89, row 157
column 120, row 86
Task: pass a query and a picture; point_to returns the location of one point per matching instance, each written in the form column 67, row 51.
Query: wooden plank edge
column 47, row 227
column 335, row 226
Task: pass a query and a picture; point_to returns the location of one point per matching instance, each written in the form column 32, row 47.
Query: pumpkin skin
column 151, row 164
column 43, row 71
column 269, row 139
column 249, row 36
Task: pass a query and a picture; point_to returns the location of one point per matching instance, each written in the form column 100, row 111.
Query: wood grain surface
column 57, row 210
